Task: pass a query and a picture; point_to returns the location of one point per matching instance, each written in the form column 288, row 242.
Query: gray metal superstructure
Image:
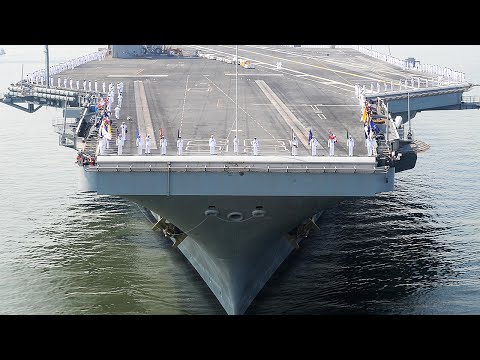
column 237, row 217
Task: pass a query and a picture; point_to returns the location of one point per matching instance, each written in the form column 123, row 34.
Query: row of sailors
column 145, row 144
column 111, row 93
column 370, row 144
column 446, row 72
column 68, row 65
column 87, row 86
column 380, row 56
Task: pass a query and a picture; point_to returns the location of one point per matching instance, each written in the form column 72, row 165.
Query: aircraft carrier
column 236, row 217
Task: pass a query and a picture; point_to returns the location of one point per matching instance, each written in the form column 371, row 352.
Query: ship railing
column 392, row 138
column 60, row 124
column 468, row 99
column 420, row 87
column 68, row 65
column 330, row 168
column 441, row 74
column 439, row 71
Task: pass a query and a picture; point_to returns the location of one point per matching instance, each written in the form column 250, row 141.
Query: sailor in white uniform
column 332, row 139
column 179, row 145
column 119, row 143
column 294, row 142
column 123, row 129
column 163, row 145
column 351, row 145
column 369, row 146
column 255, row 146
column 148, row 145
column 117, row 112
column 235, row 145
column 140, row 145
column 100, row 148
column 314, row 144
column 212, row 143
column 105, row 144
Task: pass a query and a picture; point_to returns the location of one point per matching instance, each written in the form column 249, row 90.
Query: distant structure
column 136, row 51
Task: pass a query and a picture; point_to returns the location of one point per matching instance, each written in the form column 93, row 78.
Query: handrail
column 450, row 74
column 470, row 99
column 266, row 169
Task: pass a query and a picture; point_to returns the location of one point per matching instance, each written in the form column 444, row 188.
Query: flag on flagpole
column 107, row 131
column 310, row 136
column 347, row 134
column 364, row 115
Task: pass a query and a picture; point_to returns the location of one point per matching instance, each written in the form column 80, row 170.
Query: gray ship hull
column 236, row 259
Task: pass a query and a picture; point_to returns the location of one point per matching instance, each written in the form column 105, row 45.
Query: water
column 413, row 251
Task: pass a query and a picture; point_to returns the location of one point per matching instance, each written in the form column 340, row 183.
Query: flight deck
column 311, row 89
